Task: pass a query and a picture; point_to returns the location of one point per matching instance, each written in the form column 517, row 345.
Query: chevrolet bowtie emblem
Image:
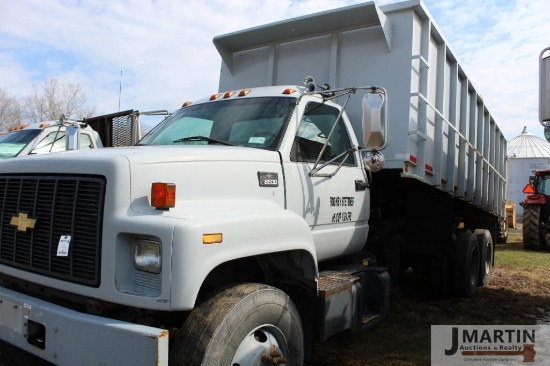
column 23, row 222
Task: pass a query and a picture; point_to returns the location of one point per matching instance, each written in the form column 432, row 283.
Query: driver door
column 336, row 208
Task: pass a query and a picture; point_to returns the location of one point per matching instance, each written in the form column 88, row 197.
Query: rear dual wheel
column 486, row 251
column 466, row 264
column 473, row 261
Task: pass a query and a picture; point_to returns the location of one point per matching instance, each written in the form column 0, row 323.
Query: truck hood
column 84, row 161
column 204, row 175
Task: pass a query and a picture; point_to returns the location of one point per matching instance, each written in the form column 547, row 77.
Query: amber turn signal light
column 163, row 195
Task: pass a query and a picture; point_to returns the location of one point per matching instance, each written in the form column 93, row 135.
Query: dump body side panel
column 441, row 132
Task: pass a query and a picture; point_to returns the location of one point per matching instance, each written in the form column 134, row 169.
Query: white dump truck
column 273, row 213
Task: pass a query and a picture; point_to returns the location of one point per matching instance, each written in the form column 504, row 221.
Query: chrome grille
column 61, row 205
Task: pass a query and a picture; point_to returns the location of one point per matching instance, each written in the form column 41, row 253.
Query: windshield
column 12, row 143
column 543, row 184
column 252, row 122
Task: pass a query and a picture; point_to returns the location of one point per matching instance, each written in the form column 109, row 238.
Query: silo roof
column 528, row 145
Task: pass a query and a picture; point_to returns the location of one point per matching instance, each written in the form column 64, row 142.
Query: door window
column 312, row 135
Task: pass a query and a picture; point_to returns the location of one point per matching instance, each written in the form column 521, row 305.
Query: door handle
column 360, row 185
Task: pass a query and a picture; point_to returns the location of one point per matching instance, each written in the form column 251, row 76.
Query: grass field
column 519, row 293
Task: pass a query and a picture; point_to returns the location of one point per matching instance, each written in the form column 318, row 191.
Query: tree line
column 46, row 102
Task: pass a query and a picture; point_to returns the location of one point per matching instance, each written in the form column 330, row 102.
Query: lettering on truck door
column 334, row 209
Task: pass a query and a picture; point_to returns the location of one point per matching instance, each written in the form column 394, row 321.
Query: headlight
column 147, row 256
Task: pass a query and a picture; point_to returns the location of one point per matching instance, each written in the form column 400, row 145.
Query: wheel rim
column 264, row 345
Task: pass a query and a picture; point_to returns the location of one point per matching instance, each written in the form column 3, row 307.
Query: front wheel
column 246, row 324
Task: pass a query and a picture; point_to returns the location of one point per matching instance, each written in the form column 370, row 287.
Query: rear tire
column 239, row 325
column 486, row 251
column 531, row 227
column 466, row 264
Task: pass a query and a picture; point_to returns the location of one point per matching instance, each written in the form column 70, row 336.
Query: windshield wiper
column 204, row 138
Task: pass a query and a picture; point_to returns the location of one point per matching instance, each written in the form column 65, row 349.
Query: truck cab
column 41, row 138
column 254, row 190
column 300, row 136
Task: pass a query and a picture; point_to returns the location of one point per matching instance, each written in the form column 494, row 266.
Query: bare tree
column 10, row 111
column 53, row 99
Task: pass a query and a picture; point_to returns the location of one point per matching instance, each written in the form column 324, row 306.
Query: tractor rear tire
column 531, row 227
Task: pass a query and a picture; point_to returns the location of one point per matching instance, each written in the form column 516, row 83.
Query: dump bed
column 441, row 132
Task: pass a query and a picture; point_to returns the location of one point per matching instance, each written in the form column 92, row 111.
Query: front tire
column 246, row 324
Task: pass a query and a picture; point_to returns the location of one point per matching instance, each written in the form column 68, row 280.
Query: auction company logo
column 489, row 345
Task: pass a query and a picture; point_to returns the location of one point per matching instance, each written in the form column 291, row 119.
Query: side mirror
column 532, row 180
column 72, row 137
column 375, row 119
column 136, row 127
column 544, row 104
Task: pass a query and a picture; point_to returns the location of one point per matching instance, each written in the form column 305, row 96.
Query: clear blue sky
column 165, row 52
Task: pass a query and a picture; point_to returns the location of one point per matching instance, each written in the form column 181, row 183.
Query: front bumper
column 67, row 337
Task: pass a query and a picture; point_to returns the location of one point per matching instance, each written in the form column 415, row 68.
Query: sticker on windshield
column 257, row 140
column 267, row 179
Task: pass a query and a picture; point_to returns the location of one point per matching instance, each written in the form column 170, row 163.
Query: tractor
column 536, row 211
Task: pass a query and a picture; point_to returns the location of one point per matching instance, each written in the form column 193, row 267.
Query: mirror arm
column 315, row 171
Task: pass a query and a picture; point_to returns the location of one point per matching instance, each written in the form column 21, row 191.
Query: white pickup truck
column 41, row 138
column 253, row 222
column 109, row 130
